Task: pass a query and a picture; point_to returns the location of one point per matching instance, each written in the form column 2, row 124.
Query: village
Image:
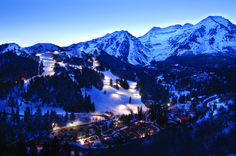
column 106, row 130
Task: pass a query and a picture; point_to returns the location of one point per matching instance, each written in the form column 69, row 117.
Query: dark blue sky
column 64, row 22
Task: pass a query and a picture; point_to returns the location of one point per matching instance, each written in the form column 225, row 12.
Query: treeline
column 16, row 128
column 14, row 67
column 58, row 90
column 88, row 78
column 149, row 89
column 122, row 82
column 216, row 81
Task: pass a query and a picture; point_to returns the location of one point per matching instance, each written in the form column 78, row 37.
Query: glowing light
column 49, row 69
column 168, row 104
column 39, row 148
column 56, row 52
column 132, row 90
column 118, row 92
column 49, row 61
column 117, row 96
column 38, row 54
column 136, row 96
column 82, row 142
column 122, row 109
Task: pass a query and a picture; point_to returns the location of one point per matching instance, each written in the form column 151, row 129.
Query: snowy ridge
column 214, row 35
column 15, row 48
column 120, row 44
column 43, row 47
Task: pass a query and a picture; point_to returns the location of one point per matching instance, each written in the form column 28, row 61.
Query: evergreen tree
column 17, row 115
column 46, row 122
column 130, row 100
column 159, row 114
column 125, row 84
column 140, row 113
column 27, row 115
column 38, row 115
column 13, row 116
column 53, row 117
column 66, row 119
column 4, row 117
column 153, row 112
column 41, row 68
column 111, row 83
column 131, row 114
column 72, row 116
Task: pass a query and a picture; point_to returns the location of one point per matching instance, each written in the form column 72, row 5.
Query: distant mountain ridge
column 214, row 35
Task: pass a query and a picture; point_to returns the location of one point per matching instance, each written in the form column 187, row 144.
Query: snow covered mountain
column 43, row 47
column 11, row 47
column 15, row 48
column 120, row 44
column 214, row 35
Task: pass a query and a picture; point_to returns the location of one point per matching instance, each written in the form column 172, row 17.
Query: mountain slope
column 214, row 35
column 15, row 48
column 43, row 47
column 120, row 44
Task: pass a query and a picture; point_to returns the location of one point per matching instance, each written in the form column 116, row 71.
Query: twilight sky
column 64, row 22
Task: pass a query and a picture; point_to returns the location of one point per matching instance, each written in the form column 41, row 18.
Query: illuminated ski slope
column 48, row 63
column 115, row 100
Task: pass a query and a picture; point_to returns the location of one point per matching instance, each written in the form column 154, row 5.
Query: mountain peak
column 124, row 32
column 9, row 47
column 166, row 29
column 215, row 19
column 43, row 47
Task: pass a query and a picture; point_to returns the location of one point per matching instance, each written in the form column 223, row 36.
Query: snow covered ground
column 33, row 108
column 115, row 100
column 48, row 63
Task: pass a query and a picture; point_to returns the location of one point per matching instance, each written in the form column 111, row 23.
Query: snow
column 32, row 106
column 48, row 63
column 112, row 44
column 115, row 100
column 163, row 42
column 157, row 44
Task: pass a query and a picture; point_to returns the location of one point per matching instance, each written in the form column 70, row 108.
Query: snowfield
column 116, row 101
